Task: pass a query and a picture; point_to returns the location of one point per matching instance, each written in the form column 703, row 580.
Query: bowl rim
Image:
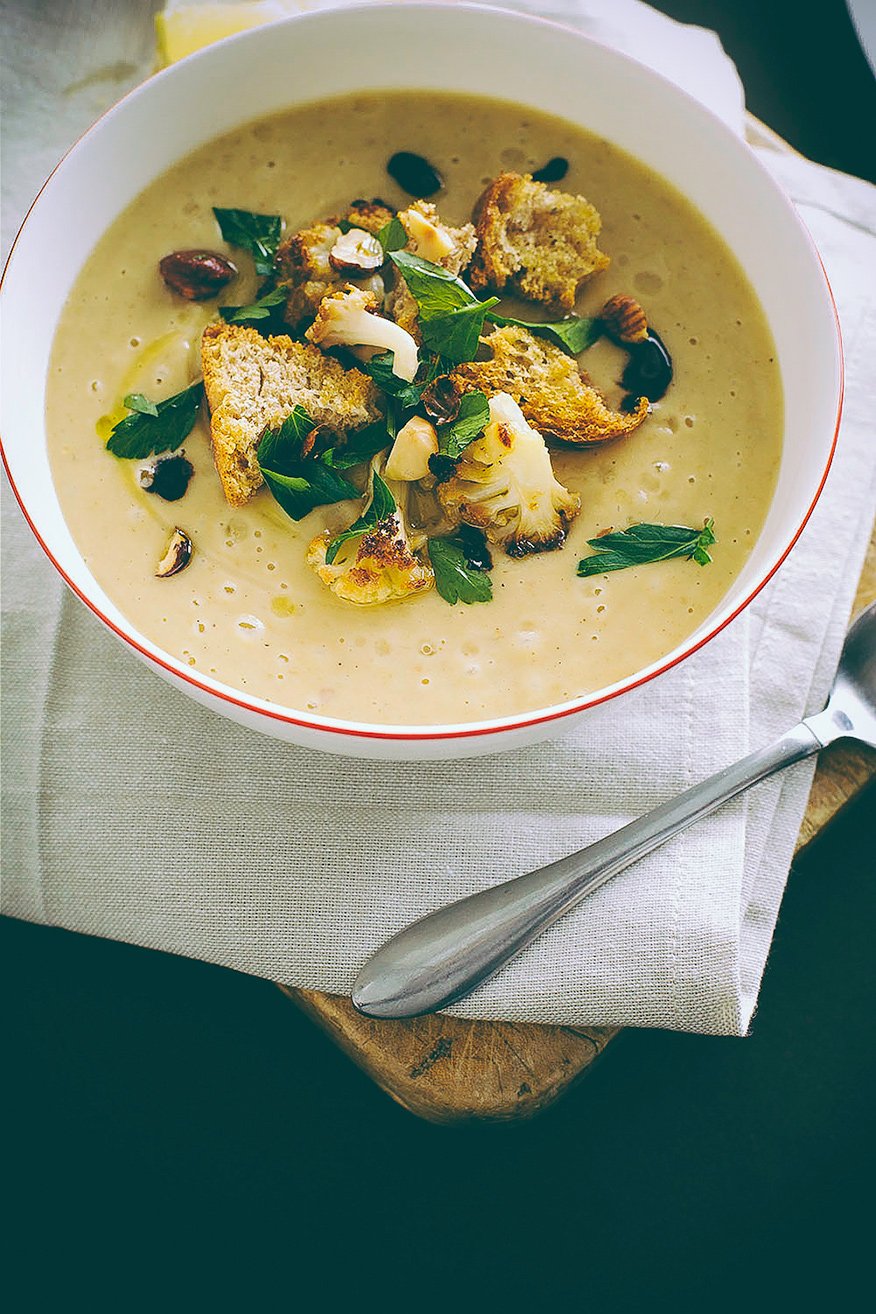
column 497, row 726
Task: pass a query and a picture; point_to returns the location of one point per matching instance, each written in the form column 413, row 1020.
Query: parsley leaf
column 456, row 336
column 141, row 433
column 472, row 417
column 382, row 505
column 644, row 543
column 262, row 309
column 359, row 447
column 259, row 234
column 380, row 370
column 392, row 236
column 436, row 291
column 574, row 334
column 456, row 578
column 135, row 401
column 298, row 482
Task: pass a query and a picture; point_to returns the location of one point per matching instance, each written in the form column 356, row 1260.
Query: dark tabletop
column 179, row 1133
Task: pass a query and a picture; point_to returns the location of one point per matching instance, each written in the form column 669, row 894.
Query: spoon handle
column 446, row 954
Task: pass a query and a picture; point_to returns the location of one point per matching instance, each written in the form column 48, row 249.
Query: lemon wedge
column 182, row 29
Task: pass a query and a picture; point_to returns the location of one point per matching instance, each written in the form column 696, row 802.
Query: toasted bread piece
column 371, row 215
column 535, row 240
column 433, row 240
column 252, row 383
column 303, row 265
column 555, row 397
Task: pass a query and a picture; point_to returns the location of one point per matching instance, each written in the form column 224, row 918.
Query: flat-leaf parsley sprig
column 641, row 544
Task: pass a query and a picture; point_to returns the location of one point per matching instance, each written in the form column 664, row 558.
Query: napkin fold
column 130, row 812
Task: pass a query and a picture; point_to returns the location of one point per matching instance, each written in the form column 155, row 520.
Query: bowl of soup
column 295, row 122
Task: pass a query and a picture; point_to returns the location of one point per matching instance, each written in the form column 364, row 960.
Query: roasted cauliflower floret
column 347, row 319
column 504, row 484
column 379, row 566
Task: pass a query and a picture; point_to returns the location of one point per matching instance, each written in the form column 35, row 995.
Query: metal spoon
column 444, row 955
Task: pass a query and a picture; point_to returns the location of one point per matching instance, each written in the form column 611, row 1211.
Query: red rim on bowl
column 424, row 734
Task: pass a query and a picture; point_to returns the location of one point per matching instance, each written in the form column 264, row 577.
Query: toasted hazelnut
column 624, row 319
column 441, row 399
column 356, row 252
column 196, row 275
column 177, row 556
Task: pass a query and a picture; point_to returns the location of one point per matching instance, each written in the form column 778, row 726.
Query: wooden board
column 448, row 1069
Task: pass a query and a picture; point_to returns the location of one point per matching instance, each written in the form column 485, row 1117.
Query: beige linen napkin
column 131, row 812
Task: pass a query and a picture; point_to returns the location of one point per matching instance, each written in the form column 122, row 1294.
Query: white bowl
column 447, row 48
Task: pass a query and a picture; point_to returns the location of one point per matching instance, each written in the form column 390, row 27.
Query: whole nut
column 196, row 275
column 441, row 399
column 356, row 252
column 624, row 319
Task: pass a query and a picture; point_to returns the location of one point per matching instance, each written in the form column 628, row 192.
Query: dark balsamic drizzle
column 474, row 547
column 414, row 175
column 554, row 171
column 649, row 371
column 168, row 477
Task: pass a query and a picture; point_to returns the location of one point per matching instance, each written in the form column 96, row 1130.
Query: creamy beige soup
column 247, row 610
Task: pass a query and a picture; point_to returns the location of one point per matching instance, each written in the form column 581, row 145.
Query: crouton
column 432, row 240
column 554, row 396
column 370, row 215
column 303, row 261
column 535, row 241
column 303, row 267
column 252, row 383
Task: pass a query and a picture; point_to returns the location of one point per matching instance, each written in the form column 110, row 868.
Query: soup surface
column 247, row 610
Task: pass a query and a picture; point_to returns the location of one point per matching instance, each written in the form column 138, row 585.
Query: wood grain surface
column 448, row 1069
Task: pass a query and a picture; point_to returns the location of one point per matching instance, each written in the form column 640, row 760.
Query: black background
column 179, row 1133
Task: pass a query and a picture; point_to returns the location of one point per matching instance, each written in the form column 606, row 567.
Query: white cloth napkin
column 130, row 812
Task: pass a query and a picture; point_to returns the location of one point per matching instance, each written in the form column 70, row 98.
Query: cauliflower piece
column 380, row 566
column 347, row 319
column 414, row 443
column 504, row 484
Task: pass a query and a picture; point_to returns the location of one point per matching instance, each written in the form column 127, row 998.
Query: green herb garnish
column 299, row 482
column 457, row 336
column 380, row 370
column 471, row 419
column 436, row 291
column 644, row 543
column 382, row 505
column 259, row 234
column 264, row 308
column 359, row 447
column 457, row 577
column 155, row 427
column 574, row 334
column 392, row 236
column 452, row 317
column 135, row 401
